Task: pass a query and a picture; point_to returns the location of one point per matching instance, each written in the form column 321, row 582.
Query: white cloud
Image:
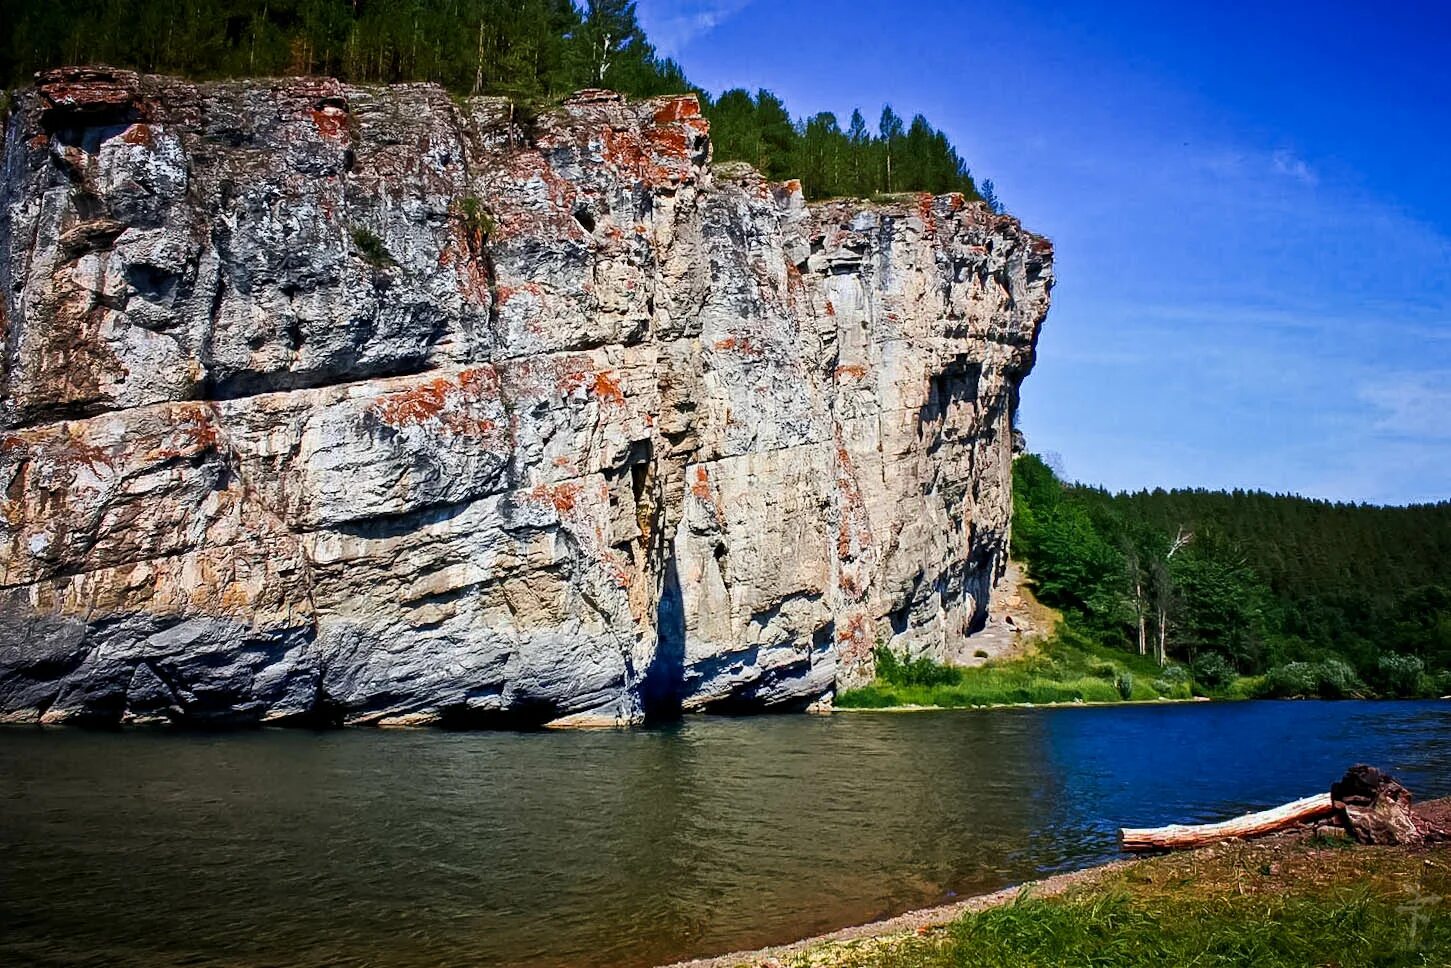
column 1413, row 405
column 672, row 25
column 1286, row 163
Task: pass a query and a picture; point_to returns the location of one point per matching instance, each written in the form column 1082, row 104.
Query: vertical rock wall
column 335, row 404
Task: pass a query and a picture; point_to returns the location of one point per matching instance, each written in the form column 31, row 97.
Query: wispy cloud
column 1287, row 163
column 1412, row 405
column 672, row 25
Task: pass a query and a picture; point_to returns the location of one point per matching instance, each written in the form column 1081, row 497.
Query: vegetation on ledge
column 1266, row 903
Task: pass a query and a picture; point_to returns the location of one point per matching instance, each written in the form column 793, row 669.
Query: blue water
column 618, row 848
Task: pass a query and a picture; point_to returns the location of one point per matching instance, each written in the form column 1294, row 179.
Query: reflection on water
column 616, row 848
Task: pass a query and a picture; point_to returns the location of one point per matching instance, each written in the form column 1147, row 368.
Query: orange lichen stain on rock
column 852, row 371
column 236, row 595
column 70, row 449
column 516, row 211
column 451, row 401
column 562, row 496
column 607, row 388
column 793, row 277
column 925, row 212
column 740, row 344
column 700, row 488
column 853, row 631
column 618, row 567
column 195, row 433
column 660, row 154
column 331, row 122
column 854, row 533
column 956, row 201
column 678, row 109
column 623, row 150
column 138, row 134
column 472, row 273
column 830, row 309
column 672, row 145
column 505, row 293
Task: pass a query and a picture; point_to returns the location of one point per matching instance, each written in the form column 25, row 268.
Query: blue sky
column 1252, row 213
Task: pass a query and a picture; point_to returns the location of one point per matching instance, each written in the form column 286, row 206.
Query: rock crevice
column 360, row 405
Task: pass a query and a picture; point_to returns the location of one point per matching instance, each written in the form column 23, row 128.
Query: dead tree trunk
column 1180, row 836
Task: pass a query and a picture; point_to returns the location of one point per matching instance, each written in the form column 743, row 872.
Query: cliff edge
column 322, row 403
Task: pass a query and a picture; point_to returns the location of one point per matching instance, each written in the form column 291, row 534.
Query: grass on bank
column 1064, row 668
column 1070, row 667
column 1267, row 904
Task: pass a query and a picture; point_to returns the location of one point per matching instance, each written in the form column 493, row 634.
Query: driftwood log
column 1366, row 803
column 1181, row 836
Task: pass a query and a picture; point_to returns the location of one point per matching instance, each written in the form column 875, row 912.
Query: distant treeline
column 1313, row 596
column 533, row 51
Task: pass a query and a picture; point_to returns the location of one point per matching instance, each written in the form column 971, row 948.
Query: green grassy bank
column 1070, row 667
column 1266, row 904
column 1064, row 668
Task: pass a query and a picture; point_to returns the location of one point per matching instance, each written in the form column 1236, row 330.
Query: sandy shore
column 912, row 921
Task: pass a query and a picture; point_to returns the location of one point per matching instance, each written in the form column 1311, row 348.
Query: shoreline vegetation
column 1289, row 899
column 1174, row 595
column 1063, row 669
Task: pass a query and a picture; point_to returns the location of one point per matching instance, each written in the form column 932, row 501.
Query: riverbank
column 1285, row 900
column 1068, row 667
column 1062, row 668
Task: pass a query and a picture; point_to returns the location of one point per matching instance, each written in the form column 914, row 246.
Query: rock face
column 333, row 404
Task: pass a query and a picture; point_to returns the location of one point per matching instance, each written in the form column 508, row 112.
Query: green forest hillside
column 533, row 51
column 1310, row 597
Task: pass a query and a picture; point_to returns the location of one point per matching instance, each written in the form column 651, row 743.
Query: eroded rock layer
column 335, row 404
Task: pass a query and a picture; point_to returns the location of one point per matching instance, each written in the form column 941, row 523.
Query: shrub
column 921, row 671
column 980, row 654
column 1106, row 671
column 1175, row 675
column 1338, row 679
column 1291, row 679
column 1329, row 678
column 1124, row 683
column 1400, row 675
column 1213, row 670
column 371, row 248
column 477, row 220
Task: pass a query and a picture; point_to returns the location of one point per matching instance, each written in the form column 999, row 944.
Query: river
column 404, row 848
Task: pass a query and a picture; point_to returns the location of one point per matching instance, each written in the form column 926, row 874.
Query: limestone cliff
column 323, row 403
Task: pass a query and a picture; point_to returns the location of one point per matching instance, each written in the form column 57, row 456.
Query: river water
column 285, row 848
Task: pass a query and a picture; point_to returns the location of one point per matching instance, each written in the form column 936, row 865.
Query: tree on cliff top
column 532, row 51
